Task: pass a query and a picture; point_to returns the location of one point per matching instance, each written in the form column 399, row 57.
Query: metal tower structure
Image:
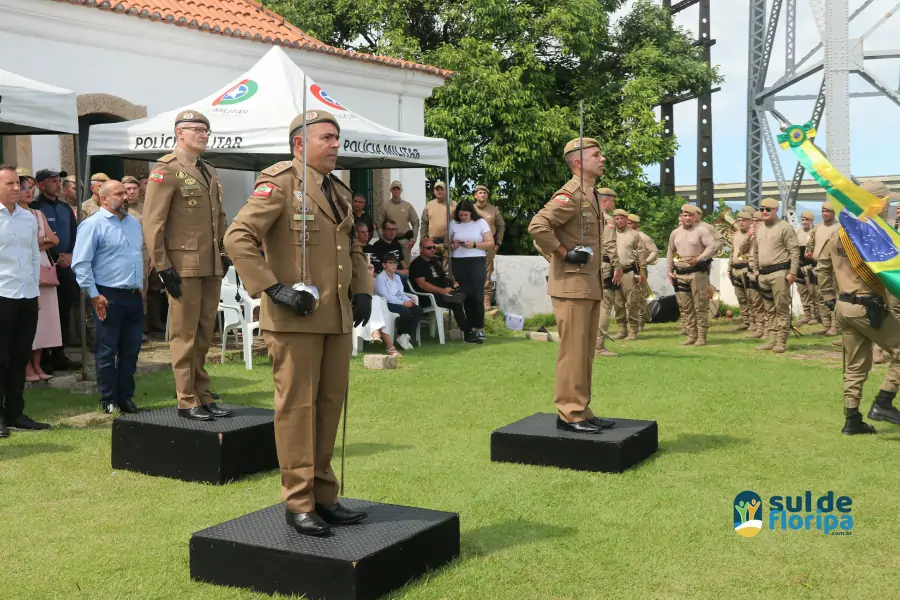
column 843, row 56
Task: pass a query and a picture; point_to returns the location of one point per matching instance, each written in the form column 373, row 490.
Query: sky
column 874, row 122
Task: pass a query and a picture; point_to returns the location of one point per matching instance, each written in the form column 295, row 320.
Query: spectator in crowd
column 404, row 216
column 48, row 333
column 92, row 204
column 427, row 275
column 62, row 222
column 389, row 287
column 389, row 244
column 360, row 215
column 70, row 192
column 471, row 238
column 376, row 329
column 365, row 241
column 20, row 263
column 134, row 203
column 109, row 265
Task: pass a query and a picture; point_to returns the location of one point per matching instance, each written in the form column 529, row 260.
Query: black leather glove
column 577, row 257
column 362, row 309
column 172, row 281
column 226, row 262
column 301, row 303
column 830, row 304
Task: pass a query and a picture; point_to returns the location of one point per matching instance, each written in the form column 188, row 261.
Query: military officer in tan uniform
column 404, row 215
column 631, row 261
column 861, row 312
column 309, row 345
column 820, row 234
column 183, row 228
column 806, row 275
column 574, row 284
column 133, row 200
column 739, row 266
column 717, row 235
column 494, row 218
column 650, row 256
column 612, row 276
column 775, row 262
column 688, row 258
column 92, row 204
column 434, row 223
column 759, row 317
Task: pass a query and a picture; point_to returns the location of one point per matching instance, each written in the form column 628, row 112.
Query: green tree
column 521, row 69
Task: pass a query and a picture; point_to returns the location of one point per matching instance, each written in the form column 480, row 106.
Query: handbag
column 48, row 273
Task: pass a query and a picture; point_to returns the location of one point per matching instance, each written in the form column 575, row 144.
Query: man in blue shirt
column 109, row 265
column 62, row 221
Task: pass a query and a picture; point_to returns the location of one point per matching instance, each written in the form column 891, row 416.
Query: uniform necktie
column 326, row 189
column 202, row 168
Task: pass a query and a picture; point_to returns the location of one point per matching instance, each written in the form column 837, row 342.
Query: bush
column 540, row 320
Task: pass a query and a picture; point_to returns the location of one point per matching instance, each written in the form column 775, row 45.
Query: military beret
column 828, row 206
column 311, row 118
column 440, row 184
column 131, row 179
column 606, row 192
column 634, row 218
column 23, row 172
column 690, row 208
column 482, row 187
column 620, row 213
column 70, row 179
column 191, row 116
column 807, row 214
column 99, row 177
column 744, row 215
column 769, row 203
column 749, row 209
column 396, row 184
column 576, row 144
column 879, row 189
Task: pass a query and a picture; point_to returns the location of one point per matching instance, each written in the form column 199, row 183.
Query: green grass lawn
column 729, row 418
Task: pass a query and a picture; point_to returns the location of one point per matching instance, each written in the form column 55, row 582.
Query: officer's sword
column 304, row 285
column 581, row 247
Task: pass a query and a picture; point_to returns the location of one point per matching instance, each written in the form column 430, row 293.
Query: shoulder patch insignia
column 157, row 176
column 167, row 158
column 561, row 198
column 278, row 168
column 263, row 190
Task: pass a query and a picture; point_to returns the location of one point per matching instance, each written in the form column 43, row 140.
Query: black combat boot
column 883, row 408
column 854, row 423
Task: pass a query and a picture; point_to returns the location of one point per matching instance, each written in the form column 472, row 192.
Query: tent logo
column 238, row 93
column 321, row 95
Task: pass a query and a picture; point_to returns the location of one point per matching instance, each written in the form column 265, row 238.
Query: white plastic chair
column 433, row 315
column 232, row 311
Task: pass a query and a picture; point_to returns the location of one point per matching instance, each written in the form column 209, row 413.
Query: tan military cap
column 312, row 117
column 828, row 206
column 99, row 177
column 130, row 179
column 749, row 209
column 879, row 189
column 23, row 172
column 690, row 208
column 396, row 184
column 620, row 213
column 70, row 179
column 191, row 116
column 482, row 187
column 634, row 218
column 769, row 203
column 440, row 184
column 758, row 216
column 576, row 144
column 744, row 215
column 606, row 192
column 807, row 214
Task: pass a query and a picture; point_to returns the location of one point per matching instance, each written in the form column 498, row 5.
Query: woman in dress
column 49, row 332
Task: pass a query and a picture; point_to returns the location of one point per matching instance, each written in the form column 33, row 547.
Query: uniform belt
column 699, row 267
column 437, row 240
column 740, row 266
column 630, row 268
column 775, row 268
column 807, row 262
column 607, row 260
column 855, row 299
column 121, row 290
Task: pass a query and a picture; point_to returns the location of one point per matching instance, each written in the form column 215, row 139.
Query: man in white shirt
column 20, row 264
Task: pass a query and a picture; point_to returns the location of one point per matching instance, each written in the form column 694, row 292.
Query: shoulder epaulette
column 571, row 186
column 340, row 182
column 278, row 168
column 167, row 158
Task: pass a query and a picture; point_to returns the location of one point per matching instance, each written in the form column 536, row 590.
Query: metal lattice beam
column 755, row 76
column 800, row 170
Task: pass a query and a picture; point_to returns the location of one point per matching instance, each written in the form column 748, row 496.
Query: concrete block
column 456, row 335
column 534, row 336
column 379, row 361
column 553, row 336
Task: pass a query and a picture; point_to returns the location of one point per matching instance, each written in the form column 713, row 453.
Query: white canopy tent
column 249, row 118
column 29, row 107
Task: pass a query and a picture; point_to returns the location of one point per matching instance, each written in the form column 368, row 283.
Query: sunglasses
column 427, row 247
column 766, row 209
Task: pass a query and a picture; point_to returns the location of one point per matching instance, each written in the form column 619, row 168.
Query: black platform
column 159, row 442
column 357, row 562
column 536, row 441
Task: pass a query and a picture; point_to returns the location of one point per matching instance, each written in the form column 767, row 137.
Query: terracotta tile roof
column 245, row 19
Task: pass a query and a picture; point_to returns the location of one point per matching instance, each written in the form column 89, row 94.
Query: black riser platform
column 394, row 545
column 536, row 441
column 162, row 443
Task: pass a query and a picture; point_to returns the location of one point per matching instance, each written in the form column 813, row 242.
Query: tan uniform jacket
column 434, row 219
column 88, row 208
column 776, row 243
column 802, row 237
column 651, row 252
column 183, row 217
column 717, row 235
column 742, row 248
column 494, row 218
column 273, row 217
column 834, row 268
column 403, row 214
column 819, row 235
column 629, row 249
column 689, row 243
column 558, row 224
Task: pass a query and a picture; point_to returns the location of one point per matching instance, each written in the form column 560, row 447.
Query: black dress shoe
column 196, row 413
column 212, row 395
column 602, row 423
column 579, row 427
column 127, row 406
column 23, row 422
column 335, row 514
column 4, row 430
column 108, row 407
column 215, row 411
column 65, row 364
column 307, row 523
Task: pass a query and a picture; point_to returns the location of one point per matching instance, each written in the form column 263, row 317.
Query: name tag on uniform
column 192, row 187
column 586, row 213
column 304, row 217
